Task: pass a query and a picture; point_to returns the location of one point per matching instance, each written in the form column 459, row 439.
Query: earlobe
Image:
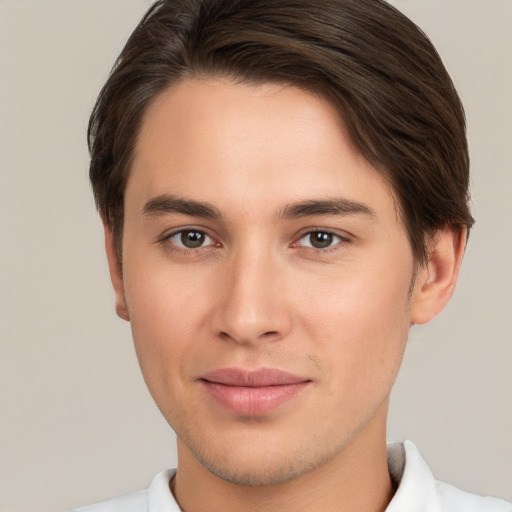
column 436, row 280
column 116, row 274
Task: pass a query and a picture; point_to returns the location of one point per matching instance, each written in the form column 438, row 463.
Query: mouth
column 252, row 392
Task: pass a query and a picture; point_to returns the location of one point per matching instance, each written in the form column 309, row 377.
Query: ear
column 116, row 273
column 436, row 280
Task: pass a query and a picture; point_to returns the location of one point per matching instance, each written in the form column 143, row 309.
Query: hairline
column 248, row 80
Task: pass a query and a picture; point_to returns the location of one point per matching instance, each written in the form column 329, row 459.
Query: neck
column 357, row 478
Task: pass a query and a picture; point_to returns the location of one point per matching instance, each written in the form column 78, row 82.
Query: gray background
column 76, row 422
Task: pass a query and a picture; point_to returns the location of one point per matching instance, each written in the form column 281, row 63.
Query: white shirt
column 417, row 491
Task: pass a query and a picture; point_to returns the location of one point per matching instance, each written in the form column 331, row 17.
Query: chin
column 258, row 461
column 264, row 471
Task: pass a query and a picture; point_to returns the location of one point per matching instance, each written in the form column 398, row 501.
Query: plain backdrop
column 76, row 422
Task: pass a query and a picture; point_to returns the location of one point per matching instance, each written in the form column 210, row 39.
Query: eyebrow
column 166, row 204
column 338, row 206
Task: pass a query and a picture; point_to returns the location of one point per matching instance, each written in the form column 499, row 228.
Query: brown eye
column 190, row 239
column 320, row 239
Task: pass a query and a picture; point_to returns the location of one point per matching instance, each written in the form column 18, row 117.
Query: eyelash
column 329, row 249
column 168, row 244
column 166, row 241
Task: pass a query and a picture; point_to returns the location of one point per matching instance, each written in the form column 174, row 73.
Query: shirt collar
column 416, row 487
column 160, row 498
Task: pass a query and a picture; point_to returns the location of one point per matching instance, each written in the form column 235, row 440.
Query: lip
column 252, row 392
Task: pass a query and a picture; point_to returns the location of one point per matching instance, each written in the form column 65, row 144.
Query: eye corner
column 327, row 240
column 187, row 240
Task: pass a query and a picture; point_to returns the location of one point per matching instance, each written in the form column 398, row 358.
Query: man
column 284, row 189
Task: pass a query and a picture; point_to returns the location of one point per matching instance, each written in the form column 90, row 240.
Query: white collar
column 416, row 487
column 417, row 490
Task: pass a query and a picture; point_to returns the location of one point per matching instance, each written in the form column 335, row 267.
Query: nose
column 252, row 303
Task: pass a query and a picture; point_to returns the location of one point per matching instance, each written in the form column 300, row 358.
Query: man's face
column 266, row 278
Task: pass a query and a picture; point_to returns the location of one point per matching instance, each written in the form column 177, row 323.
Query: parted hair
column 374, row 65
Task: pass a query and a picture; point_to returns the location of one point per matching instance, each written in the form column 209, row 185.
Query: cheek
column 360, row 322
column 165, row 315
column 162, row 298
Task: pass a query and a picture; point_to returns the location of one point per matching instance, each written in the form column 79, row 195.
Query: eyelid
column 344, row 238
column 165, row 239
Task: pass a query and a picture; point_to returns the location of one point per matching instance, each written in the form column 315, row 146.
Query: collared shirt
column 417, row 491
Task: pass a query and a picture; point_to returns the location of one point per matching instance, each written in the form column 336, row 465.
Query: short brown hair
column 374, row 65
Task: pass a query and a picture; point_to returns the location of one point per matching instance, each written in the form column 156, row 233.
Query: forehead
column 216, row 108
column 223, row 140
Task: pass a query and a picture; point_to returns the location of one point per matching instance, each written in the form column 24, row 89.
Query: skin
column 256, row 293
